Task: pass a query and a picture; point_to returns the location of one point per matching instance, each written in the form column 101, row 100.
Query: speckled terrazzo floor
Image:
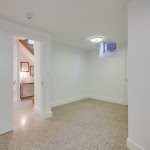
column 83, row 125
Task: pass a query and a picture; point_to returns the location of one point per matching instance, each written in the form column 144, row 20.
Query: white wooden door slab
column 6, row 83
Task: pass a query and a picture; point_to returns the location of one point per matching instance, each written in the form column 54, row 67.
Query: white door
column 6, row 83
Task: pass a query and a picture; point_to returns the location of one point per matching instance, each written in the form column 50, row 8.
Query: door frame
column 44, row 38
column 126, row 77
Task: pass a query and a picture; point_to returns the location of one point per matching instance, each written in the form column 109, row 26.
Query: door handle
column 14, row 82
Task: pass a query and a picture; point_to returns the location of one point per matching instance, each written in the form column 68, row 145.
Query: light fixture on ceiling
column 31, row 42
column 96, row 39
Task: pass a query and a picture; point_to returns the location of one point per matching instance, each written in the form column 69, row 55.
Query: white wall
column 139, row 74
column 78, row 74
column 68, row 73
column 106, row 77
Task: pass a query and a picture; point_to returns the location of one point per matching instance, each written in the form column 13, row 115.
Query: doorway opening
column 26, row 81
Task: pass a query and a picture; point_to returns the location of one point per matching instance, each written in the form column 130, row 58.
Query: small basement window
column 109, row 46
column 106, row 48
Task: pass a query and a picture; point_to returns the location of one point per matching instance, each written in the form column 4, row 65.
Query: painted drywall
column 106, row 76
column 6, row 82
column 78, row 74
column 139, row 74
column 68, row 73
column 26, row 56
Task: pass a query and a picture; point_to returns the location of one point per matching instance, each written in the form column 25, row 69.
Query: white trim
column 133, row 146
column 70, row 100
column 126, row 78
column 5, row 131
column 106, row 99
column 18, row 99
column 38, row 110
column 48, row 115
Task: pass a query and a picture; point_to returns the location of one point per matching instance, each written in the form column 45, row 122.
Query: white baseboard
column 18, row 99
column 133, row 146
column 68, row 101
column 38, row 110
column 47, row 115
column 122, row 102
column 5, row 131
column 84, row 97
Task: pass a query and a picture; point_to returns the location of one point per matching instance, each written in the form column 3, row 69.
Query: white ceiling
column 72, row 21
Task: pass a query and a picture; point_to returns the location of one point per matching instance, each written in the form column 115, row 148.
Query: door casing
column 44, row 38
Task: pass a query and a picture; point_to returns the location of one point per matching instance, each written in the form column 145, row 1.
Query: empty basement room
column 86, row 52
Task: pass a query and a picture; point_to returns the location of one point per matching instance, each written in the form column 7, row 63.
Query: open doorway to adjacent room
column 26, row 81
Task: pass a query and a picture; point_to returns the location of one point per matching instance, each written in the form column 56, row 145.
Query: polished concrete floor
column 83, row 125
column 24, row 114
